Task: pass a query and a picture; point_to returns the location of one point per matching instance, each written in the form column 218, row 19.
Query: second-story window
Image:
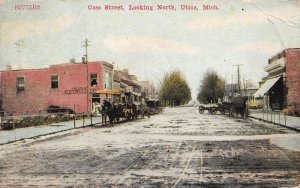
column 54, row 81
column 20, row 83
column 94, row 81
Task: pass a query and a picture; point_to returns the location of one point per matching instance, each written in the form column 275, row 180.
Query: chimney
column 8, row 67
column 72, row 60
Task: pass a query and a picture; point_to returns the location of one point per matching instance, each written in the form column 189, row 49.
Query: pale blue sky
column 151, row 43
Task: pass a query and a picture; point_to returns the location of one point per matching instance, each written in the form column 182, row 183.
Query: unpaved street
column 178, row 148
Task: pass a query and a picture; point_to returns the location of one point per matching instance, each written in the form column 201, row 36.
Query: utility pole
column 18, row 44
column 238, row 73
column 86, row 44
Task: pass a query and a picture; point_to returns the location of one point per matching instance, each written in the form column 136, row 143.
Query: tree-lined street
column 178, row 148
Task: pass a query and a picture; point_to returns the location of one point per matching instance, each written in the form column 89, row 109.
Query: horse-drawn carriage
column 154, row 106
column 122, row 111
column 234, row 108
column 238, row 106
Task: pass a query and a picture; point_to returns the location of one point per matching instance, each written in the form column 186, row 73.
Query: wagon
column 236, row 107
column 211, row 108
column 154, row 106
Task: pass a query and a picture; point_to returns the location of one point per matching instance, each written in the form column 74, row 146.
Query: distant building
column 149, row 90
column 71, row 85
column 280, row 89
column 230, row 91
column 247, row 88
column 128, row 85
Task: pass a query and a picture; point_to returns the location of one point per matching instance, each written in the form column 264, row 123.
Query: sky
column 151, row 43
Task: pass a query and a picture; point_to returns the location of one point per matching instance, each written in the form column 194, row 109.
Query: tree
column 174, row 89
column 211, row 87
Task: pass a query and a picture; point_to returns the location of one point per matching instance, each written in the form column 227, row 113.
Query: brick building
column 280, row 89
column 65, row 85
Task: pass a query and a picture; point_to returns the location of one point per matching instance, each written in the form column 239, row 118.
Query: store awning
column 266, row 87
column 109, row 91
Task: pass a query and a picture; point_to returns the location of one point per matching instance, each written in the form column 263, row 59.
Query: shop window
column 54, row 82
column 20, row 83
column 93, row 78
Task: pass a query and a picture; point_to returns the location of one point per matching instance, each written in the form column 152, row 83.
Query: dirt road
column 178, row 148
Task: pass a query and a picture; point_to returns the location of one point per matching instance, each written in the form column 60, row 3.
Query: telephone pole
column 86, row 45
column 238, row 73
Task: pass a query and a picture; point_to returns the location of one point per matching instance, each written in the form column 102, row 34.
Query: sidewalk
column 7, row 136
column 278, row 118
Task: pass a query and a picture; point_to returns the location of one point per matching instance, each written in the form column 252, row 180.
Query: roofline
column 19, row 70
column 56, row 65
column 284, row 50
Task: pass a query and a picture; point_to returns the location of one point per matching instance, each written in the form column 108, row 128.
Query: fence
column 272, row 116
column 277, row 117
column 77, row 120
column 15, row 133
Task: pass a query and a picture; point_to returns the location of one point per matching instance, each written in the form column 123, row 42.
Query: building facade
column 280, row 89
column 71, row 86
column 128, row 85
column 149, row 90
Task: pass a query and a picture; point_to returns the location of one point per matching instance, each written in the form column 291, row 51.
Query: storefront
column 71, row 86
column 280, row 89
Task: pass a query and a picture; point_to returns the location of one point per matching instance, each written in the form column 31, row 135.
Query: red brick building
column 64, row 85
column 281, row 88
column 293, row 76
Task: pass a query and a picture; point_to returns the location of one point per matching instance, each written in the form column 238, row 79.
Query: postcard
column 149, row 93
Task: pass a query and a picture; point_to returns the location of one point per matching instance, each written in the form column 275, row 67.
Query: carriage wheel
column 231, row 112
column 201, row 111
column 214, row 111
column 246, row 114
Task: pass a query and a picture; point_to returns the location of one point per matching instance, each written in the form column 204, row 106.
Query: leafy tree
column 211, row 87
column 174, row 89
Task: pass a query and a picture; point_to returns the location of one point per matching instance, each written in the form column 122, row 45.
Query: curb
column 285, row 126
column 47, row 134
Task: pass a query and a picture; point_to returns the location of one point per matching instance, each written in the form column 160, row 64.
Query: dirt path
column 179, row 148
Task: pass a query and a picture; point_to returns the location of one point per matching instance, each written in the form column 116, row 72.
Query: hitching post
column 91, row 120
column 74, row 118
column 83, row 121
column 285, row 120
column 271, row 116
